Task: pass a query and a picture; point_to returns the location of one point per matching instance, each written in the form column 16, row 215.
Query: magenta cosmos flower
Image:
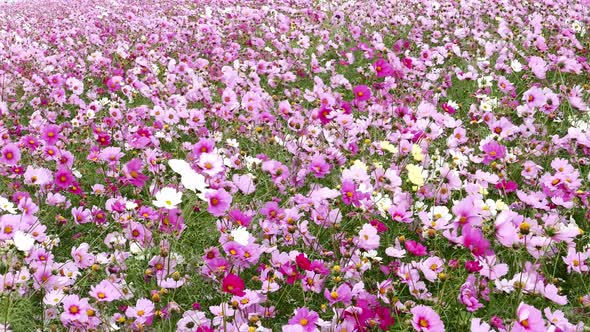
column 50, row 134
column 63, row 178
column 383, row 68
column 474, row 240
column 415, row 248
column 219, row 202
column 361, row 92
column 233, row 284
column 493, row 151
column 133, row 175
column 427, row 320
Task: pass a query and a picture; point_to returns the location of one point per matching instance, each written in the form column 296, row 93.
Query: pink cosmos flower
column 75, row 309
column 350, row 195
column 133, row 175
column 210, row 163
column 105, row 291
column 477, row 325
column 534, row 97
column 245, row 183
column 576, row 261
column 303, row 262
column 111, row 155
column 341, row 294
column 507, row 186
column 305, row 318
column 9, row 224
column 51, row 134
column 219, row 202
column 448, row 108
column 240, row 218
column 468, row 294
column 81, row 256
column 319, row 167
column 551, row 292
column 143, row 311
column 361, row 92
column 538, row 67
column 10, row 154
column 203, row 146
column 473, row 266
column 528, row 319
column 37, row 176
column 368, row 237
column 425, row 319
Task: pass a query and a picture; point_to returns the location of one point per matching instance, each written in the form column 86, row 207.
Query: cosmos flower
column 241, row 235
column 190, row 179
column 529, row 319
column 105, row 291
column 75, row 309
column 210, row 163
column 305, row 318
column 142, row 312
column 383, row 68
column 23, row 241
column 10, row 154
column 167, row 198
column 219, row 202
column 493, row 151
column 233, row 284
column 341, row 294
column 361, row 93
column 368, row 238
column 425, row 319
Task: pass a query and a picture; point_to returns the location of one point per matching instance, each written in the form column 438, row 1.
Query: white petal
column 179, row 166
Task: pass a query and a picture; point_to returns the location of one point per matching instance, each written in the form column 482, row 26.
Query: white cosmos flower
column 130, row 205
column 53, row 297
column 189, row 178
column 504, row 285
column 179, row 166
column 7, row 205
column 135, row 248
column 373, row 255
column 194, row 181
column 168, row 198
column 251, row 161
column 232, row 142
column 240, row 235
column 576, row 26
column 23, row 241
column 516, row 65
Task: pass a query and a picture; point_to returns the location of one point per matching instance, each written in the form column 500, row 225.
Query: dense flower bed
column 294, row 165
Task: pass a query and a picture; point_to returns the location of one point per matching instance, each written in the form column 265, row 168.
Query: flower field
column 295, row 165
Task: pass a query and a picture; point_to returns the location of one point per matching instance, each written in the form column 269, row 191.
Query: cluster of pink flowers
column 295, row 165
